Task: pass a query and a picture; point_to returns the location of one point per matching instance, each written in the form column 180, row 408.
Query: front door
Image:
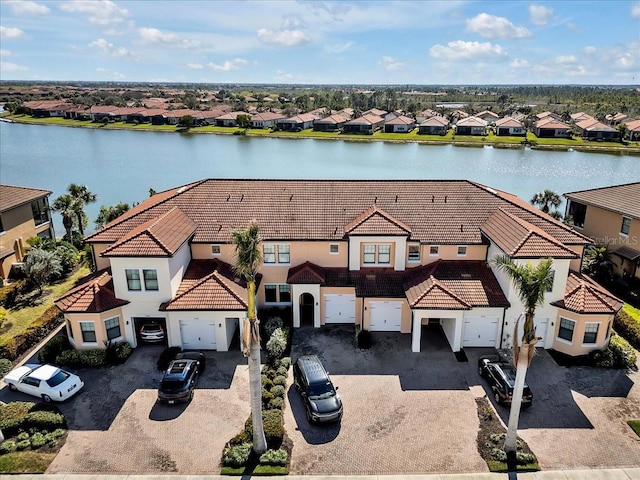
column 307, row 310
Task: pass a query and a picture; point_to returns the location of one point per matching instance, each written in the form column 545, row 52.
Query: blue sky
column 316, row 42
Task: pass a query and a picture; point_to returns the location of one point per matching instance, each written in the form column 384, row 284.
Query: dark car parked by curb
column 321, row 401
column 501, row 376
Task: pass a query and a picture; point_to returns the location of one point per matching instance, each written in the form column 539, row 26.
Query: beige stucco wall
column 101, row 262
column 450, row 252
column 405, row 322
column 73, row 322
column 575, row 264
column 576, row 347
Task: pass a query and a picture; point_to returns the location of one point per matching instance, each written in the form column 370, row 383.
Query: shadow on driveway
column 313, row 434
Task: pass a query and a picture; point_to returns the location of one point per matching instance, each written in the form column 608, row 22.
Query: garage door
column 385, row 316
column 541, row 329
column 340, row 308
column 480, row 331
column 198, row 334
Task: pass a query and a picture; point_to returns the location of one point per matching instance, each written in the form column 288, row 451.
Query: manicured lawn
column 25, row 462
column 21, row 318
column 635, row 425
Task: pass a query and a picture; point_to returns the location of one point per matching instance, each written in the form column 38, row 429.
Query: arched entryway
column 307, row 310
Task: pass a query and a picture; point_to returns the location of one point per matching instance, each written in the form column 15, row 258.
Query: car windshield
column 170, row 385
column 320, row 391
column 58, row 378
column 151, row 328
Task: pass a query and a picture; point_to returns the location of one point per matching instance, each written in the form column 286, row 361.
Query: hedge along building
column 384, row 255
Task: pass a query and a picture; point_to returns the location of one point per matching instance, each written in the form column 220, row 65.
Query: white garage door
column 541, row 329
column 198, row 334
column 385, row 316
column 480, row 331
column 340, row 308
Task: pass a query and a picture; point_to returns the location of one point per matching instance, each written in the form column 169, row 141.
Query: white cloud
column 195, row 66
column 229, row 65
column 519, row 63
column 5, row 53
column 109, row 49
column 565, row 59
column 169, row 39
column 26, row 7
column 337, row 49
column 490, row 26
column 281, row 76
column 589, row 50
column 461, row 50
column 11, row 67
column 635, row 10
column 540, row 15
column 285, row 38
column 391, row 63
column 101, row 12
column 10, row 32
column 573, row 27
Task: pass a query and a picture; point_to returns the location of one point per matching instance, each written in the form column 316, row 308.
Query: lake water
column 121, row 165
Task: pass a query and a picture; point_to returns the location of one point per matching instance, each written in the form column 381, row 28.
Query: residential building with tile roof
column 387, row 255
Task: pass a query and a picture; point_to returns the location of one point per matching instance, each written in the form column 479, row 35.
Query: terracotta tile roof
column 159, row 237
column 578, row 117
column 487, row 113
column 442, row 212
column 307, row 273
column 375, row 221
column 335, row 119
column 583, row 295
column 366, row 120
column 508, row 122
column 633, row 125
column 375, row 111
column 551, row 122
column 622, row 199
column 431, row 294
column 401, row 120
column 267, row 116
column 93, row 295
column 435, row 121
column 594, row 125
column 302, row 118
column 520, row 239
column 231, row 115
column 12, row 196
column 472, row 122
column 208, row 285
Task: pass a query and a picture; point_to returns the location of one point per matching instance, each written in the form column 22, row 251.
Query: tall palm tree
column 531, row 282
column 65, row 206
column 82, row 196
column 248, row 260
column 545, row 200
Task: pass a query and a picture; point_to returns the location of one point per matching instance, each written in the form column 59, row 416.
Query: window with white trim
column 276, row 253
column 277, row 293
column 334, row 248
column 626, row 226
column 215, row 249
column 133, row 279
column 434, row 250
column 112, row 326
column 376, row 254
column 590, row 332
column 565, row 331
column 150, row 279
column 462, row 250
column 88, row 330
column 414, row 253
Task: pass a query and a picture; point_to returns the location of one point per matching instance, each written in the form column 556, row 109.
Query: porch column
column 457, row 344
column 416, row 331
column 295, row 305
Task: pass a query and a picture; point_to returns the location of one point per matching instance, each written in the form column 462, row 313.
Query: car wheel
column 497, row 398
column 13, row 388
column 46, row 398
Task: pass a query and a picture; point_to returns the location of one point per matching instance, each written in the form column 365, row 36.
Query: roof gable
column 583, row 295
column 306, row 273
column 375, row 221
column 431, row 294
column 621, row 199
column 12, row 196
column 94, row 295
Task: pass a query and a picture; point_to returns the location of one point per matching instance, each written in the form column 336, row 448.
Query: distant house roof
column 231, row 115
column 369, row 119
column 332, row 120
column 12, row 196
column 435, row 121
column 622, row 199
column 509, row 122
column 591, row 125
column 552, row 122
column 580, row 116
column 266, row 117
column 302, row 118
column 375, row 111
column 487, row 113
column 583, row 295
column 471, row 122
column 94, row 294
column 401, row 120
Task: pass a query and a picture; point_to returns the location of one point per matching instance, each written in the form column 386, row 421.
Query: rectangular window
column 369, row 254
column 384, row 253
column 553, row 276
column 577, row 213
column 40, row 211
column 414, row 253
column 1, row 227
column 150, row 279
column 112, row 326
column 88, row 330
column 590, row 332
column 133, row 279
column 434, row 250
column 270, row 293
column 566, row 329
column 285, row 293
column 284, row 255
column 462, row 250
column 334, row 248
column 215, row 249
column 268, row 253
column 626, row 226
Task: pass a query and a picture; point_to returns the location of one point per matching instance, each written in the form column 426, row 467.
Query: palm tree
column 82, row 196
column 65, row 206
column 545, row 200
column 248, row 259
column 531, row 282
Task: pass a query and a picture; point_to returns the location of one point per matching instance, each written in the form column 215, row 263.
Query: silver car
column 152, row 332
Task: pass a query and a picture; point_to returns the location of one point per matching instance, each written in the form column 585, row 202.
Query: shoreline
column 609, row 149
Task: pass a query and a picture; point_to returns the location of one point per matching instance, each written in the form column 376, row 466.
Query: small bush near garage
column 82, row 358
column 166, row 356
column 627, row 324
column 5, row 366
column 53, row 348
column 117, row 353
column 618, row 354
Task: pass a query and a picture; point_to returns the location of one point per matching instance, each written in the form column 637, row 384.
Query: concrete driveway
column 415, row 412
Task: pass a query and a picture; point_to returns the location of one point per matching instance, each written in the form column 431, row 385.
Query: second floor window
column 40, row 211
column 272, row 253
column 376, row 254
column 626, row 226
column 414, row 253
column 88, row 330
column 134, row 280
column 150, row 279
column 462, row 250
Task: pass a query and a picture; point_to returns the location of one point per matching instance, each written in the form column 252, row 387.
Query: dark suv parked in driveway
column 502, row 378
column 179, row 381
column 321, row 401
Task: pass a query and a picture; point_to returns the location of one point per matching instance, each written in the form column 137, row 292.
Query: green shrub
column 278, row 391
column 524, row 458
column 236, row 455
column 602, row 358
column 117, row 353
column 166, row 356
column 23, row 445
column 624, row 356
column 267, row 383
column 628, row 327
column 276, row 403
column 274, row 457
column 272, row 325
column 82, row 358
column 12, row 416
column 240, row 438
column 44, row 420
column 277, row 343
column 5, row 366
column 273, row 423
column 285, row 362
column 282, row 371
column 23, row 436
column 7, row 446
column 280, row 380
column 38, row 440
column 53, row 348
column 267, row 397
column 12, row 348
